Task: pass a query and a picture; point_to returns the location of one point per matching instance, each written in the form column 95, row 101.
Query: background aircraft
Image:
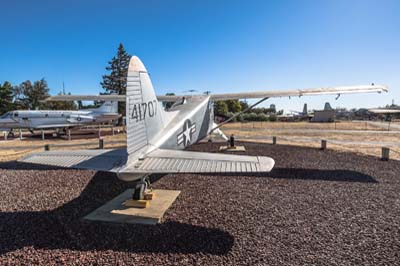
column 156, row 138
column 384, row 111
column 60, row 119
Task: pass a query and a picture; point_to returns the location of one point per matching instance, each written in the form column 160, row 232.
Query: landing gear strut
column 141, row 187
column 11, row 134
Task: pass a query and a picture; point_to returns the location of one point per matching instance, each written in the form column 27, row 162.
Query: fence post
column 385, row 154
column 47, row 147
column 323, row 144
column 20, row 134
column 42, row 134
column 5, row 135
column 69, row 134
column 273, row 140
column 101, row 143
column 232, row 141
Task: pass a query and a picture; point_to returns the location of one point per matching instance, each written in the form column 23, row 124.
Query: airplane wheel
column 140, row 187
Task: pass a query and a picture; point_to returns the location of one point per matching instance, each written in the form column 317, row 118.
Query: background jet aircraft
column 384, row 111
column 50, row 119
column 156, row 138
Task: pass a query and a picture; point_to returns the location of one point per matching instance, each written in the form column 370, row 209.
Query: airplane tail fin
column 327, row 107
column 108, row 107
column 144, row 114
column 305, row 109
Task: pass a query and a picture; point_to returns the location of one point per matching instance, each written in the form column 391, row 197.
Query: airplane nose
column 136, row 65
column 4, row 122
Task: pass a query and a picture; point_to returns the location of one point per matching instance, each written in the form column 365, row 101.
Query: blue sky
column 221, row 46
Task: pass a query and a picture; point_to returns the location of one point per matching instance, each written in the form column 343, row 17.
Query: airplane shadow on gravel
column 310, row 174
column 321, row 174
column 64, row 228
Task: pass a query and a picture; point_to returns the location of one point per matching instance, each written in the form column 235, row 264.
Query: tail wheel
column 140, row 187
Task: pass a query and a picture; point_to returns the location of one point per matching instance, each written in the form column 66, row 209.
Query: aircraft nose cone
column 136, row 65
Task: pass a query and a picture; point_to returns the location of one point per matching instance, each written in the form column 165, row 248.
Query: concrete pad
column 115, row 211
column 228, row 148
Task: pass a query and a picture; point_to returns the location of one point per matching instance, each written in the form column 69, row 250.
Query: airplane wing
column 178, row 161
column 56, row 126
column 302, row 92
column 101, row 160
column 241, row 95
column 112, row 97
column 384, row 111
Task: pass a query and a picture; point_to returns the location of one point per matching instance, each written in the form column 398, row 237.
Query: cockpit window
column 6, row 115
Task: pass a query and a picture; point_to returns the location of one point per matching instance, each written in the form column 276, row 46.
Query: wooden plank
column 114, row 210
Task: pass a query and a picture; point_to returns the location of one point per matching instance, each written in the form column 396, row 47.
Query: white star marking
column 187, row 135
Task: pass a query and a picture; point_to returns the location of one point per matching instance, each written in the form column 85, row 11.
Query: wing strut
column 236, row 115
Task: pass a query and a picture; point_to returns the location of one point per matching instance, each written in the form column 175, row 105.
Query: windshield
column 6, row 115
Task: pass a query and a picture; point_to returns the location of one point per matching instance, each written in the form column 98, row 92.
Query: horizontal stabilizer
column 100, row 160
column 177, row 161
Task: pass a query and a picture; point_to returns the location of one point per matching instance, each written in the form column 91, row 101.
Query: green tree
column 34, row 94
column 62, row 105
column 115, row 81
column 20, row 100
column 37, row 94
column 220, row 108
column 6, row 97
column 168, row 105
column 244, row 105
column 234, row 106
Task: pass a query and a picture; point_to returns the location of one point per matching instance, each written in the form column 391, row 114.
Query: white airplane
column 60, row 119
column 384, row 111
column 156, row 138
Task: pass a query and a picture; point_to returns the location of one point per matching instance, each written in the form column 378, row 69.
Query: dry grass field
column 358, row 137
column 13, row 149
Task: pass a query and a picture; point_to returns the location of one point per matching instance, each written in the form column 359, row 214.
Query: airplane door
column 24, row 122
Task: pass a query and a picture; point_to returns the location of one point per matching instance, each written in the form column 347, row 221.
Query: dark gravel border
column 316, row 207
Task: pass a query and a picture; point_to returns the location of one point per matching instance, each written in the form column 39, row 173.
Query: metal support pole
column 385, row 154
column 323, row 144
column 236, row 115
column 101, row 143
column 20, row 134
column 69, row 134
column 112, row 130
column 232, row 141
column 42, row 134
column 5, row 135
column 273, row 140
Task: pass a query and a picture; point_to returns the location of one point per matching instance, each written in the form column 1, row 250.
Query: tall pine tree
column 6, row 97
column 30, row 96
column 115, row 81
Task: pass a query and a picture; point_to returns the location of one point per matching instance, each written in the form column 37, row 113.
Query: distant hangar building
column 326, row 115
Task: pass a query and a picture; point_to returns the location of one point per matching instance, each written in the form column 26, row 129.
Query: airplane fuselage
column 192, row 123
column 53, row 119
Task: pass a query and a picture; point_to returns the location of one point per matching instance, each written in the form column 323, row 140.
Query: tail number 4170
column 139, row 111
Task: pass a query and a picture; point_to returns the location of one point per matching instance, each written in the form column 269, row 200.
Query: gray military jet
column 62, row 119
column 156, row 138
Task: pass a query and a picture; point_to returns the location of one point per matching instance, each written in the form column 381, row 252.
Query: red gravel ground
column 316, row 207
